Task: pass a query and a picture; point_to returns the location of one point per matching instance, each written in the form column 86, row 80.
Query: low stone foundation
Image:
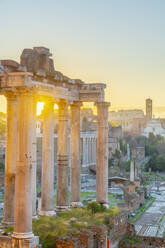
column 139, row 241
column 147, row 242
column 118, row 228
column 9, row 242
column 95, row 237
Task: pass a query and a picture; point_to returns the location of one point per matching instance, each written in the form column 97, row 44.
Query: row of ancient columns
column 20, row 165
column 89, row 151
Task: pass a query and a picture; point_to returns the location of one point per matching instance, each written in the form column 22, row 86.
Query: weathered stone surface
column 10, row 65
column 10, row 161
column 62, row 170
column 8, row 242
column 48, row 160
column 102, row 153
column 100, row 236
column 75, row 169
column 86, row 239
column 147, row 242
column 37, row 60
column 118, row 226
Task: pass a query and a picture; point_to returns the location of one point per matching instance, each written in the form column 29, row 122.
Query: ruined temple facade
column 24, row 84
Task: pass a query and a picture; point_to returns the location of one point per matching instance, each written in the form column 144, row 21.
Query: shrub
column 96, row 207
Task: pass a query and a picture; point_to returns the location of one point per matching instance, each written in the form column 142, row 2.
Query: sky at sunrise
column 117, row 42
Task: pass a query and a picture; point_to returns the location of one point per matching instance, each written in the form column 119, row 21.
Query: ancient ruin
column 23, row 85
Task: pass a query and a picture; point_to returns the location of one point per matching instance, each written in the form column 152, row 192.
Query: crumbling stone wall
column 37, row 60
column 86, row 239
column 95, row 237
column 118, row 228
column 100, row 236
column 147, row 242
column 65, row 244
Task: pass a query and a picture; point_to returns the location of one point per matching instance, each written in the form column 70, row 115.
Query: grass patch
column 160, row 223
column 131, row 240
column 69, row 223
column 141, row 210
column 147, row 183
column 153, row 175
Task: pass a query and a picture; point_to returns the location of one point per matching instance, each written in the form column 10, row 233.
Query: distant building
column 114, row 136
column 155, row 127
column 87, row 120
column 131, row 121
column 148, row 109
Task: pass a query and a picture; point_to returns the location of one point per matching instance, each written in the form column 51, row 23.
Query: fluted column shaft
column 87, row 152
column 23, row 184
column 102, row 153
column 10, row 160
column 75, row 153
column 47, row 191
column 62, row 168
column 34, row 159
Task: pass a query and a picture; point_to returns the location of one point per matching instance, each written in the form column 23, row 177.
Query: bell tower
column 148, row 109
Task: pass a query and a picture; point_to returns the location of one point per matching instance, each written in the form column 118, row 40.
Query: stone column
column 132, row 172
column 136, row 168
column 47, row 188
column 10, row 160
column 34, row 160
column 23, row 184
column 62, row 168
column 94, row 150
column 86, row 141
column 84, row 153
column 102, row 153
column 89, row 150
column 75, row 169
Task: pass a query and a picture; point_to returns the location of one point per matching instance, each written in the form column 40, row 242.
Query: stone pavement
column 152, row 222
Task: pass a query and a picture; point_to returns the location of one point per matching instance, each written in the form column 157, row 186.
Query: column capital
column 62, row 110
column 62, row 104
column 77, row 104
column 10, row 95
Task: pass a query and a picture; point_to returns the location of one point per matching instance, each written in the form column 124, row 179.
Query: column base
column 62, row 208
column 106, row 205
column 47, row 213
column 35, row 217
column 76, row 204
column 25, row 243
column 28, row 235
